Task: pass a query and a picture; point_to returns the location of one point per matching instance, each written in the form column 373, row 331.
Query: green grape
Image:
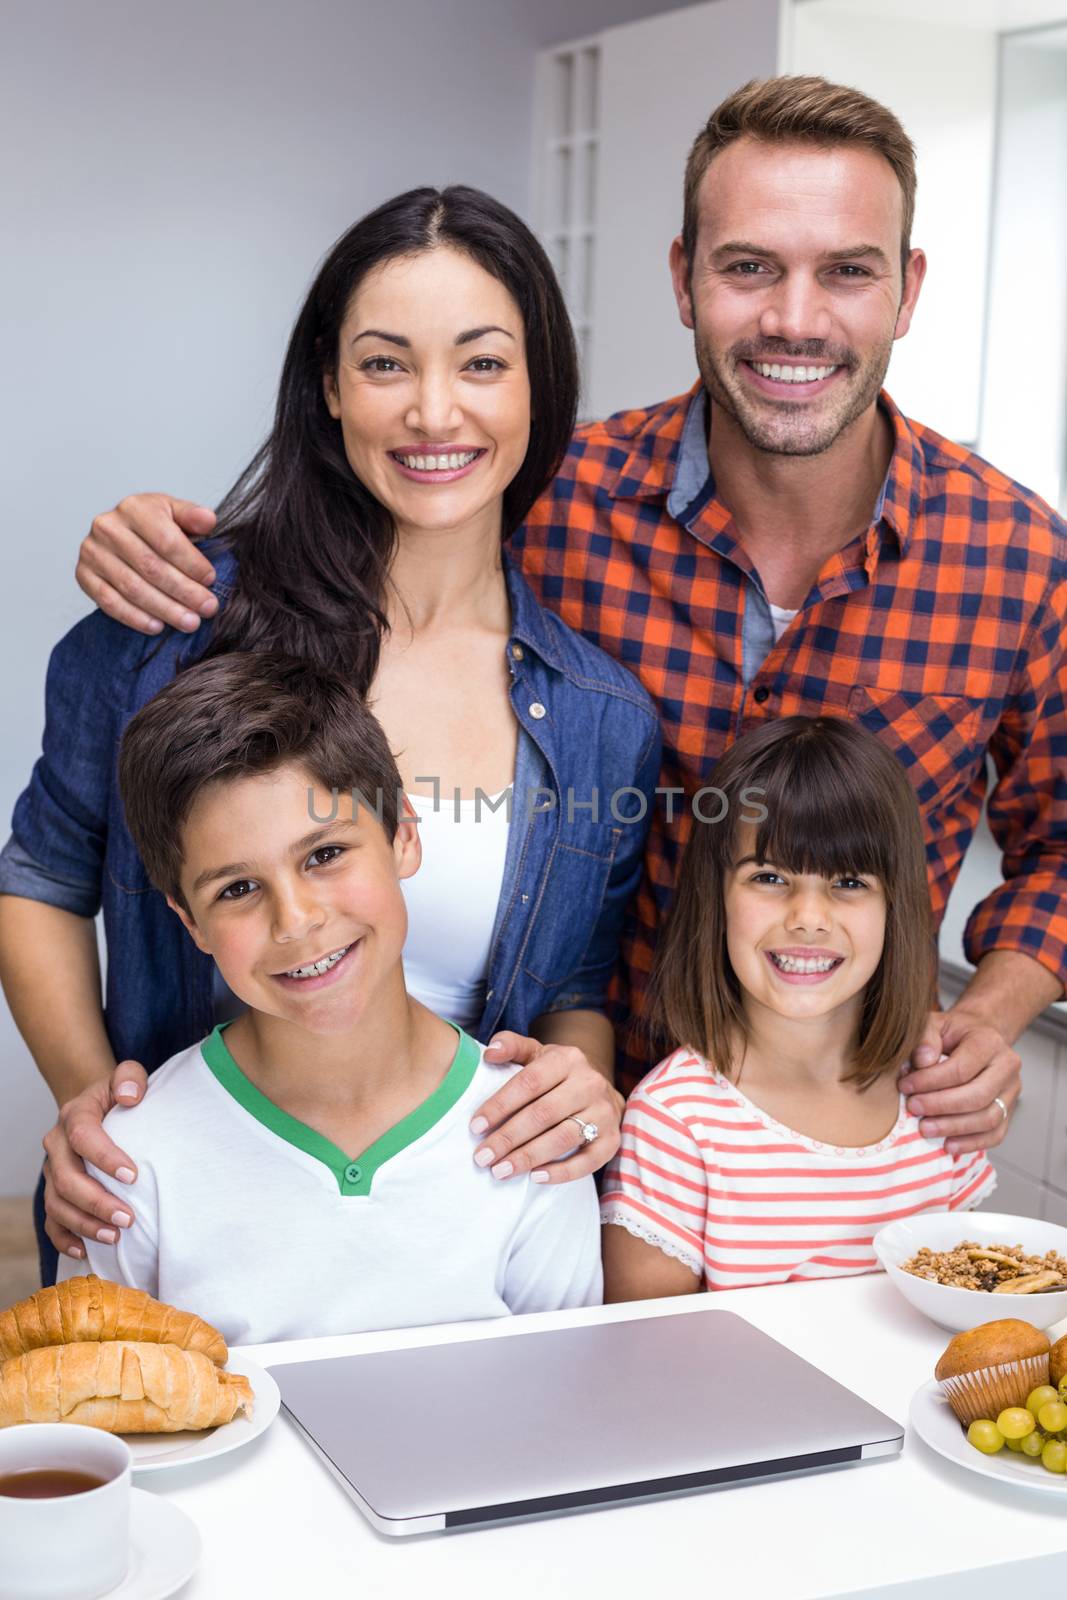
column 1032, row 1444
column 1054, row 1455
column 1013, row 1444
column 1041, row 1396
column 987, row 1437
column 1063, row 1386
column 1015, row 1422
column 1053, row 1416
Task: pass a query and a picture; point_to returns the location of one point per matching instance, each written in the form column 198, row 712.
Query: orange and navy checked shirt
column 941, row 629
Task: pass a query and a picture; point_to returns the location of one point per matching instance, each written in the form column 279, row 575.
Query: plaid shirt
column 941, row 629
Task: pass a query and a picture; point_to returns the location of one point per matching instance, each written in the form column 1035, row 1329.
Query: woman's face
column 431, row 390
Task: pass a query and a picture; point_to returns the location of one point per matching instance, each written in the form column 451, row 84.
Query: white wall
column 171, row 175
column 940, row 79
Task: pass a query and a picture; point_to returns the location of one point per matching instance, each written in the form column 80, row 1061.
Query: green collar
column 353, row 1177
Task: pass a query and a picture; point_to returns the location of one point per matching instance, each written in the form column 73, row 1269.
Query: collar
column 529, row 621
column 668, row 460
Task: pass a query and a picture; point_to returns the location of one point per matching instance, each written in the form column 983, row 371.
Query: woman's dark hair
column 236, row 717
column 313, row 545
column 835, row 801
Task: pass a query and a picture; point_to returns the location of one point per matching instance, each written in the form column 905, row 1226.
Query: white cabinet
column 616, row 117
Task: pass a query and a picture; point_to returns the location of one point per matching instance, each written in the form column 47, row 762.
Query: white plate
column 153, row 1452
column 164, row 1549
column 933, row 1420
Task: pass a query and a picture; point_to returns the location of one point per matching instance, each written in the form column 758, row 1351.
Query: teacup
column 70, row 1545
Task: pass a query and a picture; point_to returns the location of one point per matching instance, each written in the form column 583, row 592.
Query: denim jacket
column 588, row 763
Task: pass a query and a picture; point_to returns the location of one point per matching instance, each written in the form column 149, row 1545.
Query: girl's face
column 800, row 944
column 432, row 391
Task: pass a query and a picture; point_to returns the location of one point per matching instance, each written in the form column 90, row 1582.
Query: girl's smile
column 804, row 966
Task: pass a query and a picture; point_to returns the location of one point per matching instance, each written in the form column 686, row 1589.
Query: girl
column 796, row 971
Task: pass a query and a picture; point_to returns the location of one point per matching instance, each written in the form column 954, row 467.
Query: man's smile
column 790, row 380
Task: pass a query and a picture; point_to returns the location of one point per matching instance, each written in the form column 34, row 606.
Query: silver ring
column 590, row 1131
column 997, row 1101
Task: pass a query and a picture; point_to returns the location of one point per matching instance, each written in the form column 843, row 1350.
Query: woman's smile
column 436, row 463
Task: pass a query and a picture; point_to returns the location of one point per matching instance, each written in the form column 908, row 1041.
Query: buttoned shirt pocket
column 939, row 739
column 568, row 907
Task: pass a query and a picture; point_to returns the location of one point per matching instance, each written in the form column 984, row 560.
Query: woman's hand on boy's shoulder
column 531, row 1122
column 76, row 1206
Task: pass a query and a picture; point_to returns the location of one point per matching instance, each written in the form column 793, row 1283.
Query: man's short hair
column 800, row 110
column 238, row 716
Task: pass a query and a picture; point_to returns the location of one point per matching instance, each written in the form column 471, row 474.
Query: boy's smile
column 305, row 919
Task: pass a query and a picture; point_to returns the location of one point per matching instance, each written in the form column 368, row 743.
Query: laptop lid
column 599, row 1413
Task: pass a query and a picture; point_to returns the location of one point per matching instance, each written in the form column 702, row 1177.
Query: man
column 782, row 540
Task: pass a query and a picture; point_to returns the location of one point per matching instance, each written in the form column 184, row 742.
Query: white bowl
column 961, row 1309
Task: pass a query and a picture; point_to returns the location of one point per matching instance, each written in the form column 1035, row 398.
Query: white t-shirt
column 256, row 1222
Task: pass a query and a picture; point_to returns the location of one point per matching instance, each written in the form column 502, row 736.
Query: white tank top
column 452, row 902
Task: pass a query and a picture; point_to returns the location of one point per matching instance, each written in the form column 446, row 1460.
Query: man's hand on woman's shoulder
column 139, row 565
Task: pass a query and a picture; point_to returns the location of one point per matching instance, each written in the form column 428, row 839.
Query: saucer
column 164, row 1549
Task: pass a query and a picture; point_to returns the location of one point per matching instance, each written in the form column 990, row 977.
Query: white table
column 275, row 1523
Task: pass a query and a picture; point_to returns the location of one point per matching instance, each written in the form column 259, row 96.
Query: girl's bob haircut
column 824, row 797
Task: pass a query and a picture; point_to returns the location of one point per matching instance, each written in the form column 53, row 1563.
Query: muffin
column 992, row 1367
column 1057, row 1360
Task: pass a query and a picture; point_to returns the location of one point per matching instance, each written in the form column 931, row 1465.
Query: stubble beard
column 792, row 428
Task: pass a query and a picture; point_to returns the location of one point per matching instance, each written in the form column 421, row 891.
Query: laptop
column 608, row 1412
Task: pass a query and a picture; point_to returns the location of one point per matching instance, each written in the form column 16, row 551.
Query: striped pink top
column 708, row 1177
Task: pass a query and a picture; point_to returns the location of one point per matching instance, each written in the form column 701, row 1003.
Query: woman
column 426, row 399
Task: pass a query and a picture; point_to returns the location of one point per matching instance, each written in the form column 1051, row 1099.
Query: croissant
column 95, row 1308
column 121, row 1387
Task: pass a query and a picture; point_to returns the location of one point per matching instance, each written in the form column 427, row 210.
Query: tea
column 47, row 1483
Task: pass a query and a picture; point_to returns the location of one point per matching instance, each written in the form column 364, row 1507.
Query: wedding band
column 997, row 1101
column 590, row 1131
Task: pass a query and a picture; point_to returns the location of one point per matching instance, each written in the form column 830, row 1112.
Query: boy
column 307, row 1168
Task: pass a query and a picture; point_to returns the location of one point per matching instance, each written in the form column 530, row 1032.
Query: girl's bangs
column 818, row 824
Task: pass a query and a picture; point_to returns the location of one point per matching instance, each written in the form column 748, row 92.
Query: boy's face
column 273, row 892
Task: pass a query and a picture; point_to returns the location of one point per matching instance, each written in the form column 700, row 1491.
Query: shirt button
column 353, row 1173
column 516, row 652
column 761, row 694
column 537, row 710
column 489, row 994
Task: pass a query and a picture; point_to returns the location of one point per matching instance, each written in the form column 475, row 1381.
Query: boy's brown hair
column 835, row 801
column 800, row 110
column 235, row 717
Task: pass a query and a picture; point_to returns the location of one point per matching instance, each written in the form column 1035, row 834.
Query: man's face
column 795, row 293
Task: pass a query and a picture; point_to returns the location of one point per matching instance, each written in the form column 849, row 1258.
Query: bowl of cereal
column 961, row 1269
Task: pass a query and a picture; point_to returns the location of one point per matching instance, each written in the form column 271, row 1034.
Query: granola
column 997, row 1269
